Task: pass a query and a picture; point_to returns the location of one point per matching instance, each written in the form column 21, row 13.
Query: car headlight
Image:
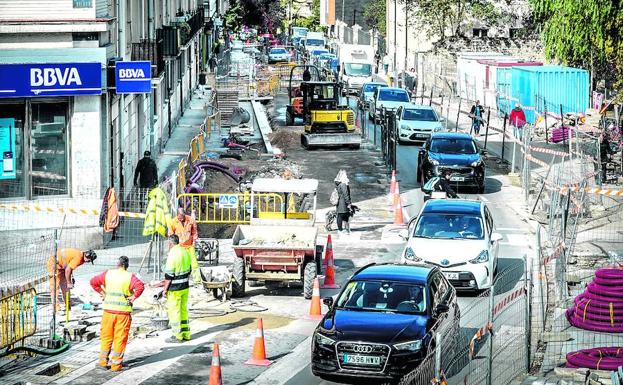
column 412, row 346
column 476, row 163
column 481, row 258
column 437, row 129
column 410, row 255
column 406, row 128
column 432, row 161
column 323, row 340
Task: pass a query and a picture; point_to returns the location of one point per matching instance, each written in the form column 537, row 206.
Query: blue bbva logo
column 131, row 73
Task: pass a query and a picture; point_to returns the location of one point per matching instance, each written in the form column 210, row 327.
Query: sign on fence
column 228, row 201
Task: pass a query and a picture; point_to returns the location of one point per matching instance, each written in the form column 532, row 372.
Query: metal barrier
column 233, row 208
column 18, row 317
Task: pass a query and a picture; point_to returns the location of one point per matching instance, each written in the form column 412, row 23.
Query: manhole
column 365, row 178
column 51, row 370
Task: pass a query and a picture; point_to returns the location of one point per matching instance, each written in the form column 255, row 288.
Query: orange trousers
column 114, row 336
column 61, row 284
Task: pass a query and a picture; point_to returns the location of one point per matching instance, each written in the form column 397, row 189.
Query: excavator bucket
column 352, row 140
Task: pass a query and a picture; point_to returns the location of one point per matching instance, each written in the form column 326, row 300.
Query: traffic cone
column 398, row 218
column 315, row 310
column 259, row 349
column 392, row 189
column 328, row 254
column 329, row 276
column 215, row 369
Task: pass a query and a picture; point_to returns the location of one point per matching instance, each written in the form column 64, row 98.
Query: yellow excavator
column 327, row 123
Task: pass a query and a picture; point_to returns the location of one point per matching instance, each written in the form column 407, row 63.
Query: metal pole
column 490, row 322
column 562, row 126
column 54, row 294
column 458, row 114
column 437, row 354
column 504, row 135
column 545, row 118
column 527, row 304
column 487, row 128
column 513, row 157
column 563, row 256
column 430, row 101
column 542, row 274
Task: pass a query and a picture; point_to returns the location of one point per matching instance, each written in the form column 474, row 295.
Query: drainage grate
column 51, row 370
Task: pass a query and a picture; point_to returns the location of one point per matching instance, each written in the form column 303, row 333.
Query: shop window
column 12, row 176
column 48, row 144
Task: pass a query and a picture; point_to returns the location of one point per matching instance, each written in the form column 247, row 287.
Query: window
column 383, row 296
column 357, row 69
column 453, row 146
column 48, row 149
column 85, row 36
column 480, row 32
column 420, row 114
column 449, row 226
column 441, row 291
column 488, row 220
column 12, row 178
column 393, row 95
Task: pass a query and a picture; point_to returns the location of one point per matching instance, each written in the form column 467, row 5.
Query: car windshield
column 419, row 114
column 453, row 146
column 357, row 69
column 448, row 226
column 278, row 51
column 314, row 42
column 372, row 87
column 393, row 95
column 383, row 296
column 317, row 52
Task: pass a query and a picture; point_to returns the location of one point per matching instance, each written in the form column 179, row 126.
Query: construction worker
column 67, row 260
column 176, row 286
column 119, row 288
column 185, row 227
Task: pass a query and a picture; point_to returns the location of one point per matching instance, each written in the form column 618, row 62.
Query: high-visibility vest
column 117, row 286
column 157, row 216
column 178, row 268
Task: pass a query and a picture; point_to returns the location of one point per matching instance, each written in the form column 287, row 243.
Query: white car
column 459, row 237
column 389, row 98
column 416, row 123
column 278, row 54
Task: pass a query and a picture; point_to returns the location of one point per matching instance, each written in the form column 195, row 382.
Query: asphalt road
column 514, row 246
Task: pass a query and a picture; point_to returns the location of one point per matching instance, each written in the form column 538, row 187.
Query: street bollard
column 458, row 114
column 487, row 128
column 504, row 135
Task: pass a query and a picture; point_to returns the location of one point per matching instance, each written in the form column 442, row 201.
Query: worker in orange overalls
column 119, row 288
column 67, row 260
column 185, row 227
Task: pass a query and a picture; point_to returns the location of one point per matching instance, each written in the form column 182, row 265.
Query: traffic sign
column 228, row 201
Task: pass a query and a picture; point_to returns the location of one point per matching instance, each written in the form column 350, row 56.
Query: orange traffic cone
column 392, row 188
column 398, row 218
column 259, row 349
column 315, row 310
column 329, row 276
column 215, row 369
column 328, row 254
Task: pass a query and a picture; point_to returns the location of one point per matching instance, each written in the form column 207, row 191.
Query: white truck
column 356, row 66
column 314, row 40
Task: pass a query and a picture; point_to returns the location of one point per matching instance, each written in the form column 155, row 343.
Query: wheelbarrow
column 216, row 280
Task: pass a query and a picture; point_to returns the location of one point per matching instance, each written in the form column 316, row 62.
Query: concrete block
column 556, row 337
column 564, row 372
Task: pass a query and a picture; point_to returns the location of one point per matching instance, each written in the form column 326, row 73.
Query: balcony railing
column 150, row 50
column 170, row 40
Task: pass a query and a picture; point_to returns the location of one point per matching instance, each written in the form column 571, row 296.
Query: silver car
column 416, row 123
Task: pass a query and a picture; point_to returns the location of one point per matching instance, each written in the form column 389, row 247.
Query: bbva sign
column 49, row 77
column 132, row 73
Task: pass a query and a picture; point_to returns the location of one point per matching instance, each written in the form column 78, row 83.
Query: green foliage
column 374, row 14
column 584, row 33
column 312, row 22
column 485, row 12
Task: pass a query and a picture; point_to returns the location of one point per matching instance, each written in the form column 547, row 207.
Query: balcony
column 170, row 40
column 179, row 33
column 152, row 51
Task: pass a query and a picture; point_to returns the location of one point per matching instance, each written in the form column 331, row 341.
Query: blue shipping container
column 551, row 87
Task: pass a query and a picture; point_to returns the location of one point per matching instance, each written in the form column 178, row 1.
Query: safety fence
column 232, row 207
column 493, row 344
column 381, row 130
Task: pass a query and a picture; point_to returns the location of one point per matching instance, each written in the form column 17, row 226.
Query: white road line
column 287, row 366
column 517, row 229
column 482, row 198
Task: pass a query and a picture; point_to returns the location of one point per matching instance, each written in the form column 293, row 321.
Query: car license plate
column 457, row 179
column 453, row 276
column 422, row 135
column 361, row 360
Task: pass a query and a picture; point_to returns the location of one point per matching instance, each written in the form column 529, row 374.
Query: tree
column 374, row 14
column 584, row 33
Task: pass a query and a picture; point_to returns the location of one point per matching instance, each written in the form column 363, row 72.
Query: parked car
column 454, row 151
column 383, row 323
column 278, row 54
column 389, row 97
column 366, row 94
column 458, row 236
column 416, row 123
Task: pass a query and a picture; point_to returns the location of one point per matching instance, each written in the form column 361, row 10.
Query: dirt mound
column 286, row 138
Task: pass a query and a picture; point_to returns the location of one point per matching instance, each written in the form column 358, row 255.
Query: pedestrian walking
column 517, row 120
column 306, row 74
column 343, row 205
column 67, row 261
column 377, row 61
column 476, row 113
column 185, row 227
column 213, row 63
column 176, row 286
column 119, row 289
column 386, row 62
column 145, row 176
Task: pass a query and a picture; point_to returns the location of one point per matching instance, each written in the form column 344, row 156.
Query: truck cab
column 356, row 66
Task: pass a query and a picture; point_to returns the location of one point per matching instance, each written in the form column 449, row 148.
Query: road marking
column 288, row 366
column 517, row 229
column 482, row 198
column 515, row 240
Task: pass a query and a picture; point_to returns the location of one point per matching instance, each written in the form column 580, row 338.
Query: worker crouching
column 176, row 286
column 67, row 260
column 119, row 288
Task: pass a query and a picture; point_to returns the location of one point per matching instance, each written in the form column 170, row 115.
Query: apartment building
column 64, row 129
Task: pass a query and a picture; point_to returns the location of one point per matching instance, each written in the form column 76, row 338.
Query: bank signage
column 54, row 79
column 133, row 77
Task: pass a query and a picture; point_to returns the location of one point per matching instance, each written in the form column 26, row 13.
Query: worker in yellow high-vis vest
column 176, row 286
column 119, row 288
